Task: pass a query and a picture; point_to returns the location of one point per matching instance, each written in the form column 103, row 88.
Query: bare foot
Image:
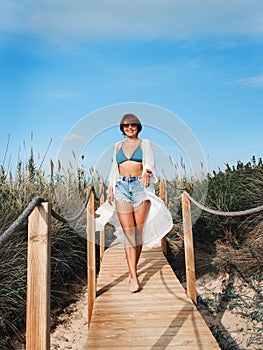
column 134, row 285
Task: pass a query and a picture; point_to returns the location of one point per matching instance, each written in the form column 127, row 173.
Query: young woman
column 139, row 216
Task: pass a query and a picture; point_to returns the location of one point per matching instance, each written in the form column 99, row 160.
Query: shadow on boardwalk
column 160, row 316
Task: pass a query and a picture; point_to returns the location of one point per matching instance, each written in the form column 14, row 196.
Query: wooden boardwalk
column 160, row 316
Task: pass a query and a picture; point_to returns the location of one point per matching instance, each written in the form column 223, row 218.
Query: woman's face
column 130, row 128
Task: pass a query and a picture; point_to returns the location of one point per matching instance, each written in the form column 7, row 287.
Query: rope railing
column 251, row 211
column 77, row 216
column 174, row 186
column 10, row 231
column 188, row 235
column 84, row 206
column 39, row 213
column 224, row 213
column 177, row 197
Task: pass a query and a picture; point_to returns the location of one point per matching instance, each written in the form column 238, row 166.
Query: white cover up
column 158, row 221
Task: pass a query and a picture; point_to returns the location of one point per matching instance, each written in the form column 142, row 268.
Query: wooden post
column 91, row 256
column 38, row 279
column 163, row 197
column 189, row 248
column 102, row 232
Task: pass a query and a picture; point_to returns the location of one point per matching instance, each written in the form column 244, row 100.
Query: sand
column 234, row 331
column 72, row 326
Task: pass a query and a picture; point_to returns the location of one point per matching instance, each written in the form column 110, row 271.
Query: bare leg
column 126, row 217
column 140, row 214
column 138, row 244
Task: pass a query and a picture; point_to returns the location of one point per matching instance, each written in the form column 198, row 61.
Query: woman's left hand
column 146, row 180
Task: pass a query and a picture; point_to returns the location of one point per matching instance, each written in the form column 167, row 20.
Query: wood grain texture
column 163, row 196
column 91, row 256
column 102, row 232
column 189, row 248
column 160, row 316
column 38, row 279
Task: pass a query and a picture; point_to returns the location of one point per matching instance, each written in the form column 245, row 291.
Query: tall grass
column 68, row 249
column 229, row 246
column 221, row 245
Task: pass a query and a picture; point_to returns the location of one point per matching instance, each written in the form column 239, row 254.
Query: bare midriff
column 130, row 168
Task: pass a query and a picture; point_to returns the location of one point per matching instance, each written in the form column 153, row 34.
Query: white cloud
column 255, row 81
column 255, row 146
column 73, row 137
column 144, row 19
column 64, row 94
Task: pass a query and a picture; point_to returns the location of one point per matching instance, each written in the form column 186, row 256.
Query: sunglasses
column 126, row 125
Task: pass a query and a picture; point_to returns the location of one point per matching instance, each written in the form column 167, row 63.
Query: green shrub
column 68, row 249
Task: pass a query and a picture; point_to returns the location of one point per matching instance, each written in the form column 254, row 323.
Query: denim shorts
column 130, row 190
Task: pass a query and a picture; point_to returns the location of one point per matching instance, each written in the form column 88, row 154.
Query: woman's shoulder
column 118, row 145
column 146, row 142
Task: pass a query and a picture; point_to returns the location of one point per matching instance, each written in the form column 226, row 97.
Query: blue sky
column 201, row 60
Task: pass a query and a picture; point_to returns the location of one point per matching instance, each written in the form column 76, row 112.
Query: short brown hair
column 132, row 118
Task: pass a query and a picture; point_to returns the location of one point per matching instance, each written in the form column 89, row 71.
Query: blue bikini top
column 136, row 155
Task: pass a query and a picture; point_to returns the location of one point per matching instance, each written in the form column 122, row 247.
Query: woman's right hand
column 110, row 196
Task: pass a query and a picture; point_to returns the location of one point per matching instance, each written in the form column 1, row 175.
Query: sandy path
column 71, row 331
column 72, row 328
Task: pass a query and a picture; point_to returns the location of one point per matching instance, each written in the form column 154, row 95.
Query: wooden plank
column 160, row 316
column 38, row 279
column 137, row 323
column 91, row 256
column 102, row 232
column 139, row 347
column 108, row 302
column 140, row 331
column 149, row 342
column 189, row 248
column 147, row 316
column 162, row 195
